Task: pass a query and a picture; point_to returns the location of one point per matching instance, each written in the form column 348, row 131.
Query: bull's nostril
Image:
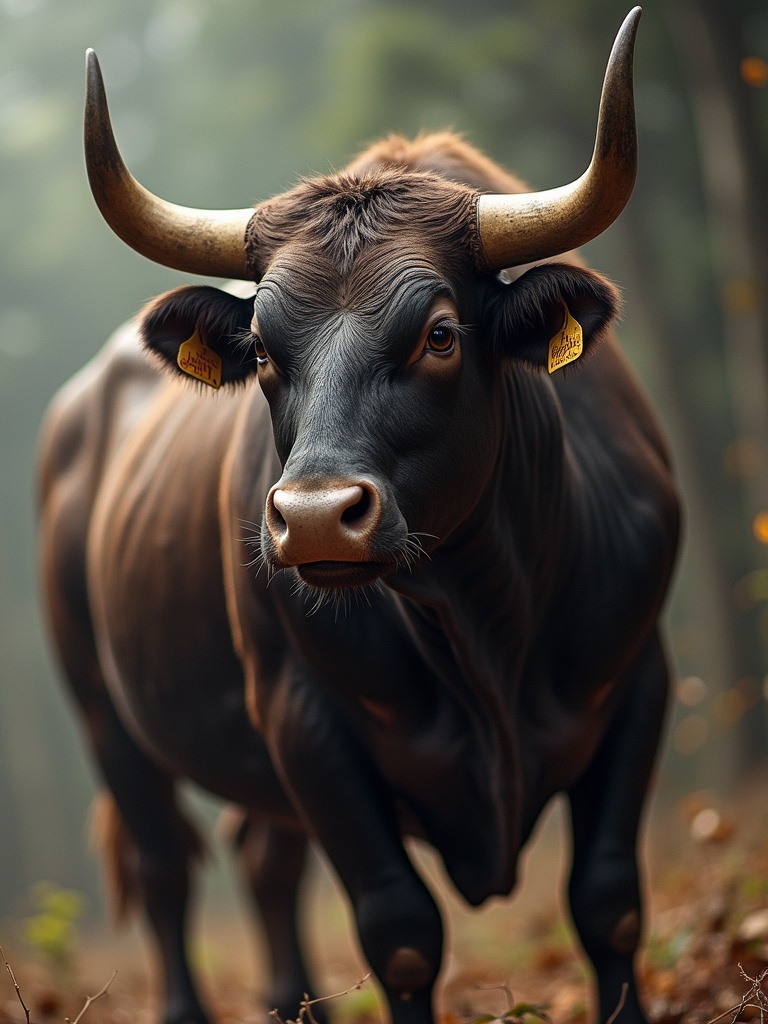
column 275, row 519
column 352, row 514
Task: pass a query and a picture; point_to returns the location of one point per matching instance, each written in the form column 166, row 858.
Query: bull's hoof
column 407, row 971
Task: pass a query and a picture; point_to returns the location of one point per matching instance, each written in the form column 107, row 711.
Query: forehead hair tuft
column 342, row 214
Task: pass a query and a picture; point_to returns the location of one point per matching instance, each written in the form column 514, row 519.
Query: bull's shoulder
column 605, row 408
column 624, row 507
column 92, row 414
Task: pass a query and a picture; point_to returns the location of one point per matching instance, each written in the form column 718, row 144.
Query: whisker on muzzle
column 342, row 599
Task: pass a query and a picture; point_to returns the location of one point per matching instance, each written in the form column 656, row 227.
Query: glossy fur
column 514, row 533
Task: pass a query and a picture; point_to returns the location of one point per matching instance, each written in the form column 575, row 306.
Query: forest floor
column 705, row 953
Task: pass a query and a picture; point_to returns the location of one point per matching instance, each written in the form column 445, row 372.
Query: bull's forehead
column 383, row 299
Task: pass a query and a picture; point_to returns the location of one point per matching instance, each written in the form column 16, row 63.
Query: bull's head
column 378, row 325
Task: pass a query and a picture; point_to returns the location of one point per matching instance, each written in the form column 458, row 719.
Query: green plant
column 516, row 1013
column 52, row 929
column 520, row 1013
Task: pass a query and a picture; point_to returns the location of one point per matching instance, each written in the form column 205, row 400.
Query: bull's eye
column 260, row 350
column 441, row 339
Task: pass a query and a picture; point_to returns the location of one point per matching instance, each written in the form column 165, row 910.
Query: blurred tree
column 710, row 39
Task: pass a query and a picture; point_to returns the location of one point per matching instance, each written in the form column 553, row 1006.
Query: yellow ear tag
column 199, row 361
column 567, row 344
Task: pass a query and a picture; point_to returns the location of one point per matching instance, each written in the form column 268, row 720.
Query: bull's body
column 151, row 516
column 454, row 698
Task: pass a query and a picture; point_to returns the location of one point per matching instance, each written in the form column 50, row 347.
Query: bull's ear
column 201, row 333
column 522, row 318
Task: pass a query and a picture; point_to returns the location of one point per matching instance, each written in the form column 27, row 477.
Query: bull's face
column 380, row 412
column 383, row 362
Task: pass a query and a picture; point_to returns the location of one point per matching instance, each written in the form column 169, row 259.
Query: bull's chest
column 468, row 751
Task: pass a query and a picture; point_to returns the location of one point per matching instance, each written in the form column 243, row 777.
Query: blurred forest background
column 218, row 103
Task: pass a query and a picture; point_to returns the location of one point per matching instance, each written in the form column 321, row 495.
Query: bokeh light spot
column 754, row 71
column 760, row 527
column 709, row 826
column 691, row 691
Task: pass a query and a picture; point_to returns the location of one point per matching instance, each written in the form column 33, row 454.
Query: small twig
column 337, row 995
column 305, row 1007
column 501, row 987
column 755, row 992
column 620, row 1007
column 24, row 1006
column 515, row 1012
column 92, row 999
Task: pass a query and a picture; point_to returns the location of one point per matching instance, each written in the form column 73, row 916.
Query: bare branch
column 755, row 993
column 24, row 1006
column 620, row 1007
column 337, row 995
column 305, row 1008
column 501, row 987
column 92, row 999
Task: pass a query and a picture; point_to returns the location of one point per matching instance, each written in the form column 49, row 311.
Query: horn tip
column 624, row 44
column 631, row 20
column 93, row 76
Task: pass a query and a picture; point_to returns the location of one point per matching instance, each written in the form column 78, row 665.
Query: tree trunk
column 706, row 38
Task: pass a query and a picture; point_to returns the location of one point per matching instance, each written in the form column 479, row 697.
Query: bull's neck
column 486, row 590
column 477, row 608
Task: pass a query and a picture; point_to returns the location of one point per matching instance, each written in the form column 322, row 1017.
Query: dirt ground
column 707, row 937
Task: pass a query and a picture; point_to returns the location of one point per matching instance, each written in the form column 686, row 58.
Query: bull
column 375, row 573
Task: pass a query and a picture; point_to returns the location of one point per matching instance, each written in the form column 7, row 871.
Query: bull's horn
column 515, row 229
column 210, row 242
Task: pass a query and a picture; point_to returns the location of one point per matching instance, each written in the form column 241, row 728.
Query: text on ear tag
column 567, row 344
column 199, row 361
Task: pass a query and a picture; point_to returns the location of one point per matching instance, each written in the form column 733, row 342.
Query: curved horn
column 515, row 229
column 208, row 242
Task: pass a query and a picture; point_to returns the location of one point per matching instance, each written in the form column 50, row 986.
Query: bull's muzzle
column 332, row 521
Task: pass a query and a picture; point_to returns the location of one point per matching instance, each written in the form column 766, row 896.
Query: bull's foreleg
column 606, row 804
column 272, row 862
column 335, row 787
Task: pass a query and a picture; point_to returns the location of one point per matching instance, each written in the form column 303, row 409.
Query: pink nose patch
column 321, row 524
